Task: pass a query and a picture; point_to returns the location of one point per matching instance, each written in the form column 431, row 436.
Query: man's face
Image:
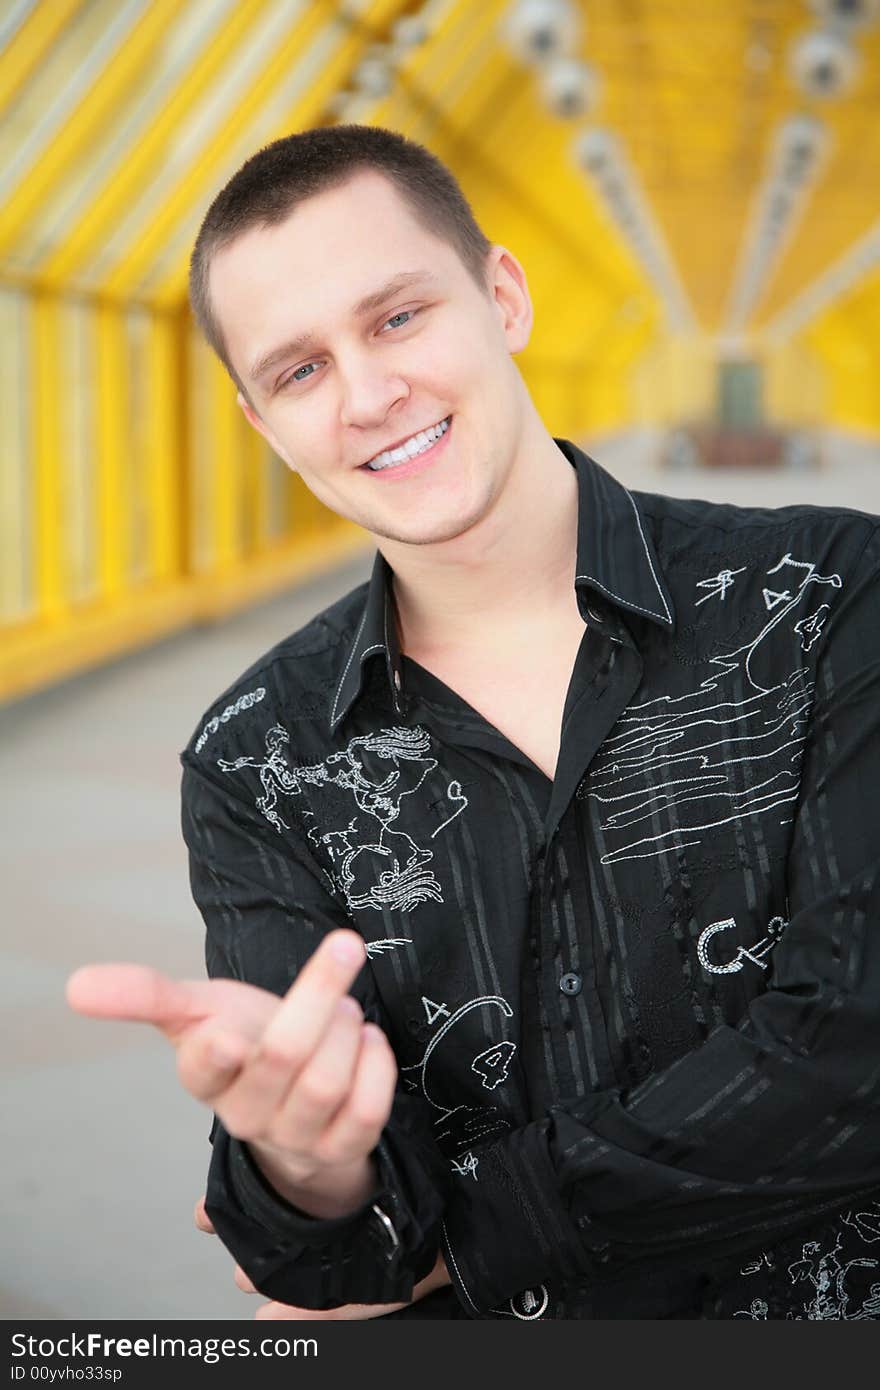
column 356, row 331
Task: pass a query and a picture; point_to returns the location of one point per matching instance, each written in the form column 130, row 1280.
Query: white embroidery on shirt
column 466, row 1166
column 493, row 1065
column 810, row 629
column 757, row 1310
column 387, row 943
column 775, row 927
column 828, row 1277
column 718, row 585
column 374, row 865
column 747, row 651
column 865, row 1223
column 701, row 741
column 243, row 702
column 434, row 1011
column 697, row 761
column 824, row 1278
column 773, row 598
column 455, row 794
column 461, row 1124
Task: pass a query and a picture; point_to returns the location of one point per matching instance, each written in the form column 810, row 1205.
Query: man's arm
column 303, row 1079
column 768, row 1124
column 267, row 906
column 349, row 1312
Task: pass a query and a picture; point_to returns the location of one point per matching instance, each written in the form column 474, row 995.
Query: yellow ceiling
column 120, row 118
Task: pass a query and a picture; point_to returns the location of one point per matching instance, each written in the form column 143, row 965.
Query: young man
column 592, row 774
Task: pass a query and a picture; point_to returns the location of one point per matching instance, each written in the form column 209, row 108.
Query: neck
column 513, row 567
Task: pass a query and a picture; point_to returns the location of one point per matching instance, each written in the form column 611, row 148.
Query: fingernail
column 348, row 949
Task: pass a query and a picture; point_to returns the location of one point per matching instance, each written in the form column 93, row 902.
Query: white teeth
column 416, row 444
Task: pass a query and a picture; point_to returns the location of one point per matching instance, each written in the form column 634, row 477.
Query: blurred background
column 694, row 190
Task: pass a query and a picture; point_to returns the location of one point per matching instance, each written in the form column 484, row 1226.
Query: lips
column 412, row 446
column 421, row 461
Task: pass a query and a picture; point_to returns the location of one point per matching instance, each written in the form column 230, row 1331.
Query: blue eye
column 295, row 376
column 405, row 315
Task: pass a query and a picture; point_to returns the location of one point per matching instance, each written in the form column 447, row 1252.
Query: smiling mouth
column 418, row 443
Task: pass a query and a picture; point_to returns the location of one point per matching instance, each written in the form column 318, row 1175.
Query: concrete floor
column 103, row 1153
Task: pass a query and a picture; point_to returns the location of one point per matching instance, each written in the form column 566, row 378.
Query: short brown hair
column 270, row 184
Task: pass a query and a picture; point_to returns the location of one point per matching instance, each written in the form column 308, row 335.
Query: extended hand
column 303, row 1079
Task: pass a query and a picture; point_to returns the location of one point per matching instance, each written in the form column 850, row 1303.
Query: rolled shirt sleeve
column 770, row 1123
column 266, row 908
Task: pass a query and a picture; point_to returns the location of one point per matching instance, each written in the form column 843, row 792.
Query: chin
column 438, row 532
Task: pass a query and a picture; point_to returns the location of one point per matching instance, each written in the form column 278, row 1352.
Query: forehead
column 333, row 249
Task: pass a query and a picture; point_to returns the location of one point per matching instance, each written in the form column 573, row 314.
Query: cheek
column 451, row 368
column 309, row 434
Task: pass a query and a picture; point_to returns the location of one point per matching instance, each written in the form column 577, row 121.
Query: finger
column 350, row 1312
column 209, row 1059
column 139, row 994
column 202, row 1219
column 324, row 1083
column 356, row 1128
column 306, row 1010
column 134, row 992
column 251, row 1105
column 243, row 1281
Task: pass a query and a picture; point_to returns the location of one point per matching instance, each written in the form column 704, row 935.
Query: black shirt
column 636, row 1011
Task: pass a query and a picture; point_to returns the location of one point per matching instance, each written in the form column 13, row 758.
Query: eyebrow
column 307, row 341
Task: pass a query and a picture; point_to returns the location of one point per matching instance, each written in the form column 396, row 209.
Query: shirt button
column 571, row 983
column 396, row 680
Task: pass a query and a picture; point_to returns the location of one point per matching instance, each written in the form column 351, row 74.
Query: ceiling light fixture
column 599, row 153
column 795, row 160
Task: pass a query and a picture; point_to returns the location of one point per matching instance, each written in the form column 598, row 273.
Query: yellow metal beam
column 48, row 546
column 210, row 168
column 113, row 501
column 100, row 106
column 222, row 464
column 143, row 161
column 30, row 44
column 163, row 446
column 37, row 654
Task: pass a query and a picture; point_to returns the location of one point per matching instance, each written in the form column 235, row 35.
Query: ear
column 262, row 428
column 509, row 289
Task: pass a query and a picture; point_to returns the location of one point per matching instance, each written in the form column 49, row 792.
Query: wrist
column 325, row 1193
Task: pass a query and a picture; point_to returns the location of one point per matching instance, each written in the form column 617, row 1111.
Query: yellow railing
column 135, row 497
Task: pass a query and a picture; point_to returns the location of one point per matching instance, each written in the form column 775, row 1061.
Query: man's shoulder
column 686, row 522
column 732, row 516
column 292, row 680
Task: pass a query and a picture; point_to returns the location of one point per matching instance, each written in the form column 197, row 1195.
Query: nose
column 370, row 391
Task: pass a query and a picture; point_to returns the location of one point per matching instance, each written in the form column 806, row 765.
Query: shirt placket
column 606, row 675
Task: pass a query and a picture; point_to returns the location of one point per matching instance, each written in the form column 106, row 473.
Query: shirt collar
column 377, row 632
column 615, row 556
column 615, row 552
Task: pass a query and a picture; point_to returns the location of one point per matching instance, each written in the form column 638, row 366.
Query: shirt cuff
column 373, row 1255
